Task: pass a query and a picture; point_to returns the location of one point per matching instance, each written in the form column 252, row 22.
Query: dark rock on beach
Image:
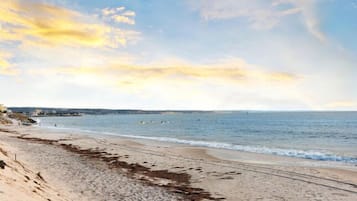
column 2, row 164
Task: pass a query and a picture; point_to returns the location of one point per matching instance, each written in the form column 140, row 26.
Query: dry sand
column 19, row 183
column 80, row 167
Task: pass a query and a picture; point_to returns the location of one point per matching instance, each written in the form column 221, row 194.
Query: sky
column 179, row 54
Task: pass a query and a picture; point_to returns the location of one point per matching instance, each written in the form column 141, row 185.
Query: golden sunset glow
column 52, row 25
column 253, row 54
column 231, row 73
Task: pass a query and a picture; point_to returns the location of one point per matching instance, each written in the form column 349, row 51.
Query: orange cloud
column 231, row 72
column 52, row 25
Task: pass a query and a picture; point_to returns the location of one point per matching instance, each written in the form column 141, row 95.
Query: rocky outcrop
column 25, row 120
column 4, row 120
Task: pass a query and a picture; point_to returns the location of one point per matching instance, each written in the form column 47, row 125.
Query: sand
column 81, row 167
column 19, row 183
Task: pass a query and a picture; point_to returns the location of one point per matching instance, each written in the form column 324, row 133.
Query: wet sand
column 81, row 167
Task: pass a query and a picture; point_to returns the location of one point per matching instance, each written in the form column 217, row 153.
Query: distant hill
column 40, row 111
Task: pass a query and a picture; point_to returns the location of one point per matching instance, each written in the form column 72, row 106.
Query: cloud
column 3, row 60
column 45, row 24
column 231, row 72
column 5, row 66
column 307, row 8
column 112, row 11
column 262, row 14
column 119, row 15
column 341, row 105
column 176, row 83
column 129, row 13
column 123, row 19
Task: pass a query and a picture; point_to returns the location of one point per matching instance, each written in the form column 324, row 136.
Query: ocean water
column 327, row 136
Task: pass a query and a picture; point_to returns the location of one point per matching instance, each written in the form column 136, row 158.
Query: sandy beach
column 70, row 166
column 182, row 100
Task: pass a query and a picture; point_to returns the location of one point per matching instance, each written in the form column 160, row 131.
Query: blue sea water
column 328, row 136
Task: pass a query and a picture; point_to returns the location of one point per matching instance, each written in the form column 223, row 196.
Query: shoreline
column 208, row 173
column 255, row 151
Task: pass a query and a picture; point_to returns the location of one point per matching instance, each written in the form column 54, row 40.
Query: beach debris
column 40, row 176
column 8, row 131
column 173, row 181
column 2, row 164
column 227, row 177
column 27, row 177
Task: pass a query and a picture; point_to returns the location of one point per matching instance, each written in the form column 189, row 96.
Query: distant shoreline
column 33, row 111
column 157, row 111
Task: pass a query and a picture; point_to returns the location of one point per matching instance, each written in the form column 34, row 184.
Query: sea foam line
column 306, row 154
column 310, row 154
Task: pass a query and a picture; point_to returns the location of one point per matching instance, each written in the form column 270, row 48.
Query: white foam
column 306, row 154
column 309, row 154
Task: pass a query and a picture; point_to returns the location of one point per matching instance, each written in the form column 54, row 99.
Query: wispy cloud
column 119, row 15
column 262, row 14
column 26, row 21
column 232, row 71
column 179, row 83
column 307, row 8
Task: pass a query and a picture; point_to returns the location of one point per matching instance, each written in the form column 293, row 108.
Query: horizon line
column 189, row 110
